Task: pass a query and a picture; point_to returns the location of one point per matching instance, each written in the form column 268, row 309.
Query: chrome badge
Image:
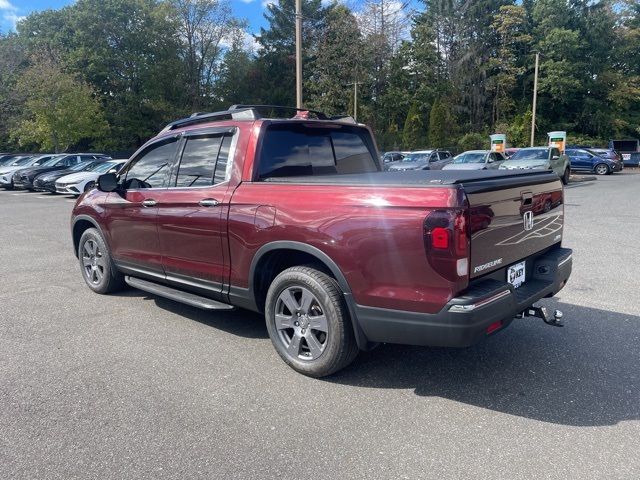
column 528, row 220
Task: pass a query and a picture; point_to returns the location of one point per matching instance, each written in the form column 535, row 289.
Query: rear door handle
column 208, row 202
column 149, row 203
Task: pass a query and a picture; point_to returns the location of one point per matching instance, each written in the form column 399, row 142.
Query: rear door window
column 299, row 150
column 198, row 162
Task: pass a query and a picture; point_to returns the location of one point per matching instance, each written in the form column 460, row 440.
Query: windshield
column 49, row 163
column 104, row 167
column 471, row 157
column 417, row 157
column 22, row 161
column 533, row 154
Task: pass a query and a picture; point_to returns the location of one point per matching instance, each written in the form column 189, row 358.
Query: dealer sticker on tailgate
column 515, row 274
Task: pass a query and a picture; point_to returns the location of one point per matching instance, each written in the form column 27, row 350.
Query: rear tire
column 602, row 169
column 98, row 270
column 308, row 322
column 565, row 176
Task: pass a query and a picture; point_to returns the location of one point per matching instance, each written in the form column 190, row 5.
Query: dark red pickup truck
column 295, row 218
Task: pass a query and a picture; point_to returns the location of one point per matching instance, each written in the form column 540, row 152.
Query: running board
column 177, row 295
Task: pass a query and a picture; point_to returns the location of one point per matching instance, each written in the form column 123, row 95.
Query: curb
column 576, row 179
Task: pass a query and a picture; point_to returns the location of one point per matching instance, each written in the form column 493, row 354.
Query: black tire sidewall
column 333, row 308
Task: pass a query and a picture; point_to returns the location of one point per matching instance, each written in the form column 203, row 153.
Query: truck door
column 131, row 214
column 192, row 212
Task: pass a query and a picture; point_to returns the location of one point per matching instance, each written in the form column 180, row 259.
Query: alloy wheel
column 301, row 323
column 602, row 169
column 93, row 262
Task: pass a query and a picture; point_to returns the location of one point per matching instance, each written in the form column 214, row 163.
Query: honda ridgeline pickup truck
column 294, row 218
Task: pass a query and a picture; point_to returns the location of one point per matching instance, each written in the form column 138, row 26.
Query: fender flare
column 91, row 220
column 361, row 339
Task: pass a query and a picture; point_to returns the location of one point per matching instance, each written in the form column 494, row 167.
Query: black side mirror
column 107, row 182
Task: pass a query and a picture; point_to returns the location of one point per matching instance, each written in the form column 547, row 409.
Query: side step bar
column 177, row 295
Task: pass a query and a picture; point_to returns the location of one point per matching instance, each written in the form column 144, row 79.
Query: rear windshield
column 538, row 154
column 296, row 149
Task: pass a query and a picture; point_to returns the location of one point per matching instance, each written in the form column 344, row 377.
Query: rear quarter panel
column 374, row 235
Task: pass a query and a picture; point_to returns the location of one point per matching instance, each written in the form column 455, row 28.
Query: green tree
column 59, row 110
column 472, row 141
column 413, row 134
column 440, row 125
column 235, row 84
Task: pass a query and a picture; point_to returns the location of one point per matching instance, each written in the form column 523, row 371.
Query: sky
column 12, row 10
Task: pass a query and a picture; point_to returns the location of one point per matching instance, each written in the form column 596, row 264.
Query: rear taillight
column 446, row 240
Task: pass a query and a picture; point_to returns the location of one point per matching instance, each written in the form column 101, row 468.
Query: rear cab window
column 307, row 149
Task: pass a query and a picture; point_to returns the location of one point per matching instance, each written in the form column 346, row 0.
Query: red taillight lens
column 446, row 236
column 440, row 238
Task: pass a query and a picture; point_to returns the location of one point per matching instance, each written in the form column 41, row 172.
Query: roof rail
column 195, row 118
column 247, row 112
column 318, row 114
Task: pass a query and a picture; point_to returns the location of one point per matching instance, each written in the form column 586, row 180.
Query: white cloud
column 265, row 3
column 9, row 15
column 243, row 1
column 6, row 5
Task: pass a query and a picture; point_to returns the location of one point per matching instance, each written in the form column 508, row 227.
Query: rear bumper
column 464, row 320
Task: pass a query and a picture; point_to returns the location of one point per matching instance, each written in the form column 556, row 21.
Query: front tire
column 565, row 176
column 98, row 270
column 308, row 322
column 601, row 169
column 9, row 186
column 89, row 186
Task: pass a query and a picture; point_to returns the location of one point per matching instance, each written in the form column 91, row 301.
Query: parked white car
column 76, row 183
column 7, row 171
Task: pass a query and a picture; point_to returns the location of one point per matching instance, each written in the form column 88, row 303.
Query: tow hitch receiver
column 554, row 320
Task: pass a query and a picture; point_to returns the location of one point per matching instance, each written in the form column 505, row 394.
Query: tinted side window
column 297, row 150
column 554, row 152
column 198, row 161
column 222, row 165
column 151, row 168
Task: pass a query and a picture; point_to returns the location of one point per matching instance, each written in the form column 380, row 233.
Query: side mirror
column 107, row 182
column 555, row 157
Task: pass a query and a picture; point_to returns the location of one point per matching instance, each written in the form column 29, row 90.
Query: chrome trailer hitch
column 555, row 319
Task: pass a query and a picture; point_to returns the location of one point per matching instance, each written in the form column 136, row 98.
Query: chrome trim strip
column 481, row 303
column 565, row 260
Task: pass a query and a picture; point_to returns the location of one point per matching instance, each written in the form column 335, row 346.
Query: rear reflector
column 494, row 326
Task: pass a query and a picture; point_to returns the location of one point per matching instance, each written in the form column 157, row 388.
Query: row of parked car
column 595, row 160
column 68, row 173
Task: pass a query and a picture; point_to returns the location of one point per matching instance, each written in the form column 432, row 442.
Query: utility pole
column 298, row 53
column 355, row 98
column 535, row 98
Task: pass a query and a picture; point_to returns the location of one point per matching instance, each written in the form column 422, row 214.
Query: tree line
column 108, row 74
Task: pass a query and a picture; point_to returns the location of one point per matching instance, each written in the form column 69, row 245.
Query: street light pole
column 298, row 53
column 535, row 98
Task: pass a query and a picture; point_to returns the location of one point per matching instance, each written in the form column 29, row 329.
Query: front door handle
column 208, row 202
column 149, row 203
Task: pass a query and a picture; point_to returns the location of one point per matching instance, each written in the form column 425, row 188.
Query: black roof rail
column 247, row 112
column 318, row 114
column 195, row 118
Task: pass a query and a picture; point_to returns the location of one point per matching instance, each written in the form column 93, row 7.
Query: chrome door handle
column 149, row 203
column 208, row 202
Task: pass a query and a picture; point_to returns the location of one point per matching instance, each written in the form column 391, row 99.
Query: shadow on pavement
column 585, row 374
column 241, row 323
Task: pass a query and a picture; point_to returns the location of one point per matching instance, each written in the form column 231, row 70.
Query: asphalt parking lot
column 132, row 386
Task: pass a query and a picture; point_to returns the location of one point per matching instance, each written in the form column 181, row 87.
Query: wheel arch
column 296, row 253
column 81, row 223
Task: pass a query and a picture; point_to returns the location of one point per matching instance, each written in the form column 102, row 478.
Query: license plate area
column 516, row 274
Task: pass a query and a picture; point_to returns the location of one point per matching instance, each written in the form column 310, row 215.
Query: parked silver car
column 476, row 160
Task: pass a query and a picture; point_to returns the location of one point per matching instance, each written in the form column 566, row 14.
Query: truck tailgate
column 512, row 218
